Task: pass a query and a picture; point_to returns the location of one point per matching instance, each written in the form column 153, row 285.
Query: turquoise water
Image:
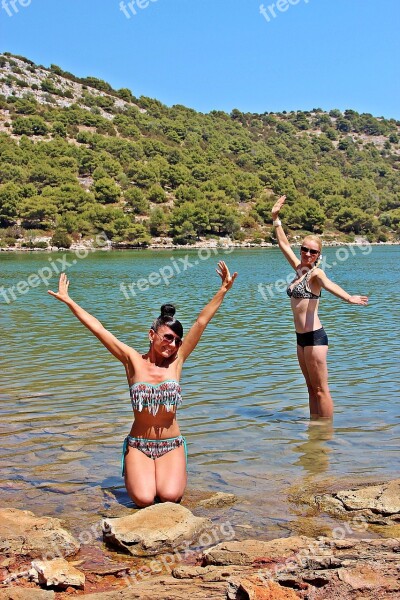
column 65, row 405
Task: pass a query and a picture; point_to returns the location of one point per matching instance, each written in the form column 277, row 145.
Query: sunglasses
column 169, row 338
column 310, row 250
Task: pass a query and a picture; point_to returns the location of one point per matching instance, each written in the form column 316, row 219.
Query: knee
column 321, row 390
column 170, row 496
column 142, row 498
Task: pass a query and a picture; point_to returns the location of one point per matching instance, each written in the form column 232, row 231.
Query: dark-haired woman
column 304, row 292
column 154, row 453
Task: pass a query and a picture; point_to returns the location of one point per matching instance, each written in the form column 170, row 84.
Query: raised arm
column 336, row 290
column 283, row 242
column 194, row 334
column 117, row 348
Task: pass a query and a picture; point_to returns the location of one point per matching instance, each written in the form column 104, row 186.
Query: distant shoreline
column 200, row 246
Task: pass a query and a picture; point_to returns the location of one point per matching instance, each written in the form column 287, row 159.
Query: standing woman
column 154, row 452
column 304, row 292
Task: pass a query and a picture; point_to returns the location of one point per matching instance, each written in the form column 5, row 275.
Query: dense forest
column 78, row 157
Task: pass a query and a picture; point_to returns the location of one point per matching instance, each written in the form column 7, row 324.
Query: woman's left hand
column 363, row 300
column 227, row 279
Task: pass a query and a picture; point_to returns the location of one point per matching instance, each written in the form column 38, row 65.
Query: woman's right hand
column 62, row 293
column 277, row 206
column 224, row 273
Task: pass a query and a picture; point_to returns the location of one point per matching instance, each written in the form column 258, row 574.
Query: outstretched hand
column 277, row 206
column 62, row 293
column 223, row 272
column 362, row 300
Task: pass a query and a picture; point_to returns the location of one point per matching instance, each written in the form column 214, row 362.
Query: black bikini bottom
column 312, row 338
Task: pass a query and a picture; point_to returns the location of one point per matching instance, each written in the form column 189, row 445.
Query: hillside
column 77, row 157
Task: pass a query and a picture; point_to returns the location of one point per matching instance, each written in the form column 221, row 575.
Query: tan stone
column 218, row 500
column 256, row 590
column 248, row 552
column 58, row 573
column 154, row 530
column 389, row 501
column 165, row 588
column 378, row 504
column 17, row 593
column 366, row 577
column 24, row 534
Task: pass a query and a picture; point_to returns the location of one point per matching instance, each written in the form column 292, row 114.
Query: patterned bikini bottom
column 152, row 448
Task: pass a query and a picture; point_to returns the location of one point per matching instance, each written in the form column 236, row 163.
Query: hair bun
column 168, row 311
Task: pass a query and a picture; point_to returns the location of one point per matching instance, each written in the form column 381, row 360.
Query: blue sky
column 221, row 54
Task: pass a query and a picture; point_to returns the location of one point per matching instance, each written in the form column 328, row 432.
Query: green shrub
column 61, row 239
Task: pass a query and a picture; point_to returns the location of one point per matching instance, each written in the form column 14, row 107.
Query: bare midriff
column 162, row 425
column 305, row 314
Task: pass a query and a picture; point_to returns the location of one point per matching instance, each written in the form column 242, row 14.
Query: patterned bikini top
column 153, row 395
column 301, row 289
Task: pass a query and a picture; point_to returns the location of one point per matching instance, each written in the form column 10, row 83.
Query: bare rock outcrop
column 157, row 529
column 247, row 552
column 377, row 504
column 17, row 593
column 24, row 534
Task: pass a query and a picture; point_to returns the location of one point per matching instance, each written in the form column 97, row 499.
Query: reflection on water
column 65, row 404
column 313, row 453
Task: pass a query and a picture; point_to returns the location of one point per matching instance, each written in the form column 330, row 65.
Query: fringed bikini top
column 153, row 395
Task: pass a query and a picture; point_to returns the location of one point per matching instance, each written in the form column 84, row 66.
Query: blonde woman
column 304, row 292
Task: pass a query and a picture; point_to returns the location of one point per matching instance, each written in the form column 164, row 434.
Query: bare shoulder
column 133, row 355
column 319, row 273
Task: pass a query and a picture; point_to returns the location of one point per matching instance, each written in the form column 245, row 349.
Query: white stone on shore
column 58, row 573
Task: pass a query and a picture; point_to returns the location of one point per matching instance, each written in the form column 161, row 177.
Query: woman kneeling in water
column 154, row 452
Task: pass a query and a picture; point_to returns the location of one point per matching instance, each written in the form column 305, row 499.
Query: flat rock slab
column 57, row 573
column 378, row 504
column 154, row 530
column 165, row 588
column 25, row 594
column 248, row 552
column 253, row 589
column 24, row 534
column 367, row 577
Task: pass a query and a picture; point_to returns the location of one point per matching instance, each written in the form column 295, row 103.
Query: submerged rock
column 24, row 534
column 154, row 530
column 218, row 500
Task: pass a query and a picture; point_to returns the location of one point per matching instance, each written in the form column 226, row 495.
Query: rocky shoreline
column 166, row 552
column 206, row 244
